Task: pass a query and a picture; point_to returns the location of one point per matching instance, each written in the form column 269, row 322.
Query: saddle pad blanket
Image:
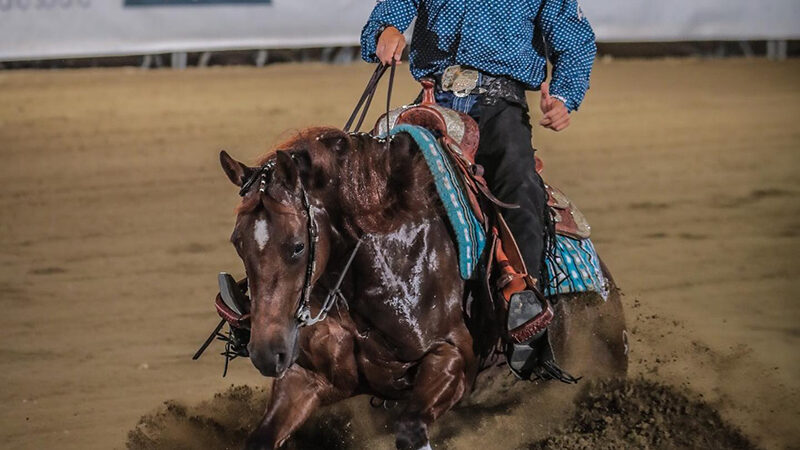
column 470, row 237
column 575, row 267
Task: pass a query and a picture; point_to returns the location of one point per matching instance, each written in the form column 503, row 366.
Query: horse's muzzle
column 273, row 357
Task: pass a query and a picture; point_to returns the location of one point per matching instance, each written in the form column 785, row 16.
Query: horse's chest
column 406, row 298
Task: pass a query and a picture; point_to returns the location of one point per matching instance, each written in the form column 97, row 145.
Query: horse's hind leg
column 610, row 329
column 440, row 382
column 589, row 335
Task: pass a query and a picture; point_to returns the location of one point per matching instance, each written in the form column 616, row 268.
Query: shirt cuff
column 563, row 99
column 569, row 91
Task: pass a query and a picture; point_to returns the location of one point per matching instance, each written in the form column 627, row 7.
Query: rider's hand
column 390, row 45
column 556, row 115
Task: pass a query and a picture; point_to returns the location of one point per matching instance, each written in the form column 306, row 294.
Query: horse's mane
column 376, row 185
column 385, row 184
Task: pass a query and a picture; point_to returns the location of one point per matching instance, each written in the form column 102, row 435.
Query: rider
column 508, row 43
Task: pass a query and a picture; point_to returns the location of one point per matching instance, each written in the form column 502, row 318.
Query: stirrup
column 232, row 296
column 528, row 316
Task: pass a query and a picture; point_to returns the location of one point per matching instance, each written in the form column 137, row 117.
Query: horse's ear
column 337, row 142
column 236, row 171
column 286, row 178
column 302, row 160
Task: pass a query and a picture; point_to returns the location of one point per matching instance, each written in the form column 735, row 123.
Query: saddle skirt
column 460, row 135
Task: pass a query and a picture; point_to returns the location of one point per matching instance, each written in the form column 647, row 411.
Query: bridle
column 303, row 312
column 235, row 346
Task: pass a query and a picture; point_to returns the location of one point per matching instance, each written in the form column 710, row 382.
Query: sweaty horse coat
column 405, row 335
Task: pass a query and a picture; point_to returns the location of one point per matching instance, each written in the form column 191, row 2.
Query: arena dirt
column 612, row 414
column 115, row 219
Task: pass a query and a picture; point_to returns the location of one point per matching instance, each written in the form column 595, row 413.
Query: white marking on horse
column 402, row 293
column 427, row 447
column 260, row 233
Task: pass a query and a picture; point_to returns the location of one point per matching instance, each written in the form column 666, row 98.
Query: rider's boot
column 529, row 353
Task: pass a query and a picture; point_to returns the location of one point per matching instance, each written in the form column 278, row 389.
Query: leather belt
column 463, row 81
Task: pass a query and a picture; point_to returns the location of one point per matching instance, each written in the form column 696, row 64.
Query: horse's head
column 274, row 235
column 368, row 186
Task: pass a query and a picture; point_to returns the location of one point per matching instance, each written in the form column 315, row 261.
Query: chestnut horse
column 401, row 329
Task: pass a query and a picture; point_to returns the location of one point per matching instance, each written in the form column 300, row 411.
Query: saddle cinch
column 459, row 135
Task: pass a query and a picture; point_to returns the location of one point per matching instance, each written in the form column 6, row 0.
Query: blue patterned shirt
column 499, row 37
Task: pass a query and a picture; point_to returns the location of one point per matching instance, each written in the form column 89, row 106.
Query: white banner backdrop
column 40, row 29
column 32, row 29
column 693, row 20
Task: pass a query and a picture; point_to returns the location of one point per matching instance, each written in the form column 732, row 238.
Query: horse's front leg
column 294, row 397
column 328, row 350
column 441, row 381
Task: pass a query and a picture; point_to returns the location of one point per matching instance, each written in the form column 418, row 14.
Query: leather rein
column 303, row 315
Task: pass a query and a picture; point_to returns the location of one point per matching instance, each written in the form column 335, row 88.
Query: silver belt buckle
column 459, row 80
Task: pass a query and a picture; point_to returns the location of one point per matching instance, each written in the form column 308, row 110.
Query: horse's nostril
column 280, row 361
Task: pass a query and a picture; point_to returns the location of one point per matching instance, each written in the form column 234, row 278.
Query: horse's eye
column 298, row 249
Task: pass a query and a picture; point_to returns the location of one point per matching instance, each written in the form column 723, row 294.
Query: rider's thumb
column 544, row 102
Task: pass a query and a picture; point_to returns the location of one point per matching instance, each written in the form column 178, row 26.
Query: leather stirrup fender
column 511, row 248
column 513, row 277
column 509, row 280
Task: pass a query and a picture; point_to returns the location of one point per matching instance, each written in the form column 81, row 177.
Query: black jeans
column 507, row 156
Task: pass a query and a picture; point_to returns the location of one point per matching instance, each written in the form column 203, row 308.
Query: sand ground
column 115, row 219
